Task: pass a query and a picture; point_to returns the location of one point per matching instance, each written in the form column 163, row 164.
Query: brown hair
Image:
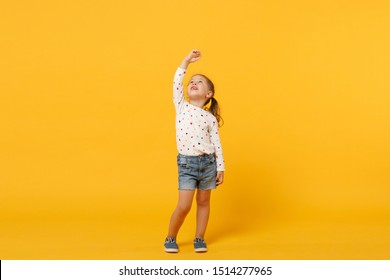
column 214, row 107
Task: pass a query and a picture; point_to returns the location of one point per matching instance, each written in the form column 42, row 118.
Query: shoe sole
column 171, row 250
column 201, row 250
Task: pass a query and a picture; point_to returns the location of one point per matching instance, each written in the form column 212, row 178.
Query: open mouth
column 194, row 88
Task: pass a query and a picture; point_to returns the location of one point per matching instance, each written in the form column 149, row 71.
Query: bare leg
column 181, row 211
column 202, row 212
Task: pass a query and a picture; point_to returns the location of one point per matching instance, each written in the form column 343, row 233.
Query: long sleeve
column 216, row 141
column 178, row 89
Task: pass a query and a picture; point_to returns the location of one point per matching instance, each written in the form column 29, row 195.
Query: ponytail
column 214, row 109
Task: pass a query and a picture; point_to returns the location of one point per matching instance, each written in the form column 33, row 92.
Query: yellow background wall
column 87, row 136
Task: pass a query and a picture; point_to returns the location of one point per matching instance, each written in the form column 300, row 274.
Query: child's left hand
column 220, row 177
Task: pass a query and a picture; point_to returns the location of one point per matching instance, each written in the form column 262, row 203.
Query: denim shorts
column 197, row 172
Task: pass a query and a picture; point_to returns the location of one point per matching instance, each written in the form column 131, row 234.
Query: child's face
column 198, row 88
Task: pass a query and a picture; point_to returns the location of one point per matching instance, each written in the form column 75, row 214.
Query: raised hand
column 193, row 56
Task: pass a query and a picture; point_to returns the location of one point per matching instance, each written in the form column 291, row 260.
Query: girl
column 200, row 160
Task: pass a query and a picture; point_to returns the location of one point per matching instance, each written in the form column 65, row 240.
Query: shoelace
column 170, row 240
column 198, row 240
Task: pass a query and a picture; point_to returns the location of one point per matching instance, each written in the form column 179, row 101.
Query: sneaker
column 170, row 245
column 200, row 245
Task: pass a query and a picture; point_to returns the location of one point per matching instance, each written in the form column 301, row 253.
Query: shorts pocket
column 182, row 162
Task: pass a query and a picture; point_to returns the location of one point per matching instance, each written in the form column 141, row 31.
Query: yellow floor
column 117, row 238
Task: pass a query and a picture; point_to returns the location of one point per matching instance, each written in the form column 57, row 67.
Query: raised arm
column 178, row 89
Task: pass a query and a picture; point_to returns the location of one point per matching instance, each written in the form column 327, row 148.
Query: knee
column 183, row 209
column 203, row 201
